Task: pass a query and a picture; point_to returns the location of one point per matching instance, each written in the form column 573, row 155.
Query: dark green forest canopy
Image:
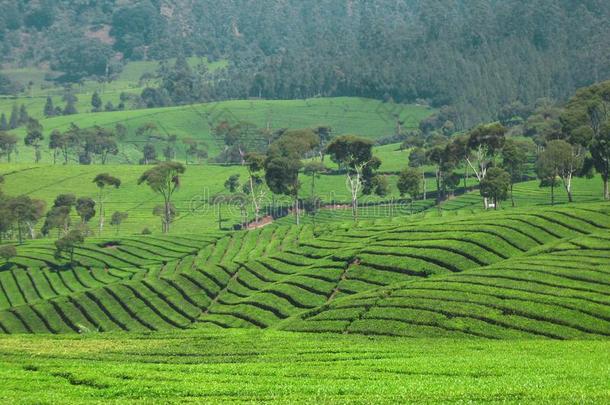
column 474, row 54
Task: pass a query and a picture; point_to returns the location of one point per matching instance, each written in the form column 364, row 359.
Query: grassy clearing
column 253, row 367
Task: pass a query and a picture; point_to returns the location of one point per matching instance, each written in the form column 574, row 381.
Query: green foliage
column 164, row 179
column 79, row 58
column 409, row 182
column 8, row 252
column 496, row 185
column 68, row 244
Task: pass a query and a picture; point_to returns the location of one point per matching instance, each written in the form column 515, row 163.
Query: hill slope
column 494, row 275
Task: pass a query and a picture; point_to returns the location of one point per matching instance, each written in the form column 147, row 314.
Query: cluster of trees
column 8, row 86
column 571, row 140
column 295, row 49
column 19, row 217
column 150, row 135
column 19, row 117
column 87, row 145
column 279, row 168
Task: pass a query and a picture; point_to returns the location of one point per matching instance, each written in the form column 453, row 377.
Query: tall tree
column 58, row 216
column 85, row 208
column 586, row 121
column 495, row 185
column 26, row 212
column 546, row 170
column 117, row 219
column 34, row 137
column 14, row 120
column 409, row 182
column 23, row 115
column 8, row 145
column 283, row 163
column 96, row 102
column 164, row 179
column 68, row 244
column 353, row 154
column 49, row 109
column 485, row 141
column 103, row 181
column 567, row 161
column 3, row 123
column 514, row 159
column 255, row 164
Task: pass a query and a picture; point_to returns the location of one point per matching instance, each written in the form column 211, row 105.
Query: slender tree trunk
column 296, row 210
column 425, row 184
column 606, row 188
column 19, row 231
column 168, row 215
column 101, row 200
column 553, row 192
column 512, row 197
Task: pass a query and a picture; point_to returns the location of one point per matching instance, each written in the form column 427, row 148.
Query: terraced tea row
column 561, row 292
column 347, row 261
column 271, row 276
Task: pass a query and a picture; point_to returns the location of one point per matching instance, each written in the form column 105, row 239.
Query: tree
column 485, row 141
column 283, row 163
column 49, row 109
column 14, row 120
column 441, row 158
column 255, row 164
column 313, row 170
column 586, row 121
column 68, row 244
column 56, row 141
column 104, row 181
column 164, row 179
column 8, row 252
column 232, row 183
column 96, row 102
column 23, row 115
column 8, row 145
column 3, row 123
column 514, row 159
column 419, row 159
column 70, row 99
column 495, row 185
column 167, row 215
column 567, row 161
column 353, row 154
column 117, row 219
column 99, row 141
column 546, row 170
column 34, row 137
column 85, row 208
column 409, row 182
column 79, row 58
column 59, row 215
column 25, row 212
column 149, row 154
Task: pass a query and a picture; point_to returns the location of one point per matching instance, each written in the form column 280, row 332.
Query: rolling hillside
column 496, row 275
column 345, row 115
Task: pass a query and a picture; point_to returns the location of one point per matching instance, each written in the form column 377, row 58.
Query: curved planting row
column 531, row 296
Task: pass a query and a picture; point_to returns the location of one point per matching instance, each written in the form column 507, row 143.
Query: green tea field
column 281, row 367
column 345, row 115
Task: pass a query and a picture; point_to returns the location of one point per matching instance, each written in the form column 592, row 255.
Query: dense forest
column 476, row 55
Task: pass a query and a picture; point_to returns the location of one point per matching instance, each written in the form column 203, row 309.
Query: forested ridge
column 474, row 54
